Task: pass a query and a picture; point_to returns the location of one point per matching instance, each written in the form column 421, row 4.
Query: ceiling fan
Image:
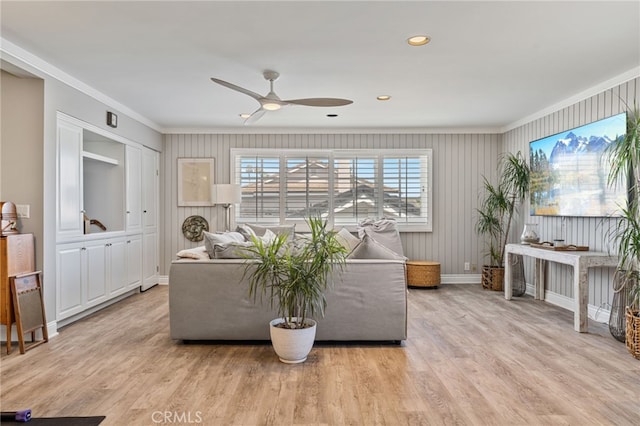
column 272, row 102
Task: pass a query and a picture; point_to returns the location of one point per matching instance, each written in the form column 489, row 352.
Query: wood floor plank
column 472, row 358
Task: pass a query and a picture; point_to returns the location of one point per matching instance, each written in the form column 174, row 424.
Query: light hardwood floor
column 472, row 358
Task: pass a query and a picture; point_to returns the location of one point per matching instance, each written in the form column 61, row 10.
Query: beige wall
column 21, row 160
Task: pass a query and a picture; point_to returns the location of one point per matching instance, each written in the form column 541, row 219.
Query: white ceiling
column 489, row 64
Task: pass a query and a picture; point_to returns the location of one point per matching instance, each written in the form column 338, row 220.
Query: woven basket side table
column 423, row 273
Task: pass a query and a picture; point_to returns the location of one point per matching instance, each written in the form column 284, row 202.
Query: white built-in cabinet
column 69, row 180
column 134, row 189
column 150, row 206
column 114, row 182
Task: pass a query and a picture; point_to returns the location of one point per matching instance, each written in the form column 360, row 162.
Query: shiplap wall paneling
column 591, row 232
column 459, row 161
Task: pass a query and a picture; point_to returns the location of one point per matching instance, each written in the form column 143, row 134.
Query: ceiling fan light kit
column 272, row 102
column 270, row 106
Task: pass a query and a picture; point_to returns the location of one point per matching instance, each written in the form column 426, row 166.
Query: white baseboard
column 52, row 331
column 163, row 279
column 595, row 313
column 460, row 279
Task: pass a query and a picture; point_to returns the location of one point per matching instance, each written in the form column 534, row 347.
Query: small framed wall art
column 195, row 177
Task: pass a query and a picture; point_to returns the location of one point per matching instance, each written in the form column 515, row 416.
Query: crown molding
column 11, row 53
column 592, row 91
column 331, row 130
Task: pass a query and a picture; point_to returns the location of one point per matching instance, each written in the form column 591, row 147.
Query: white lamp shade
column 226, row 194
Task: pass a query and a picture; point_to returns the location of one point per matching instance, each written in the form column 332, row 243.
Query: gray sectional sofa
column 209, row 301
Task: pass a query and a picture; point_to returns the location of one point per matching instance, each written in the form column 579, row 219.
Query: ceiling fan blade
column 232, row 86
column 320, row 102
column 255, row 116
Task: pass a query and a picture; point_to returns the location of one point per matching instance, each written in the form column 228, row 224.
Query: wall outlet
column 467, row 266
column 23, row 210
column 474, row 267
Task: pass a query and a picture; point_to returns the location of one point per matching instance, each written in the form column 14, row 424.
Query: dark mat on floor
column 58, row 421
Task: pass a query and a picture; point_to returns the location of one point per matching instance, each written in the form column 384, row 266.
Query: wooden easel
column 29, row 308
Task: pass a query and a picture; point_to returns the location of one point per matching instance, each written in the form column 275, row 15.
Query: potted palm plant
column 294, row 278
column 624, row 158
column 495, row 214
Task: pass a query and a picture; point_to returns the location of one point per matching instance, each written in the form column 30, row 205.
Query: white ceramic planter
column 292, row 346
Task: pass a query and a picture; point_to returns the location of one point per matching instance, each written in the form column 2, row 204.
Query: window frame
column 426, row 155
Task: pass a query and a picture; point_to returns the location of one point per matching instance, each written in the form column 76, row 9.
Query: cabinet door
column 69, row 294
column 150, row 261
column 95, row 274
column 69, row 180
column 134, row 188
column 150, row 185
column 117, row 272
column 134, row 261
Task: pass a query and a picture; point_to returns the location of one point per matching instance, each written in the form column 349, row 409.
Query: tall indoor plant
column 496, row 210
column 294, row 277
column 624, row 158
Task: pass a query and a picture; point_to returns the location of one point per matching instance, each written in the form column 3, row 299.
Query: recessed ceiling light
column 418, row 40
column 332, row 115
column 245, row 115
column 383, row 97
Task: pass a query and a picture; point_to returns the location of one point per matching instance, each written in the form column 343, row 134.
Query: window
column 344, row 186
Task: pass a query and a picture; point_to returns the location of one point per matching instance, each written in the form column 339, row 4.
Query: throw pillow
column 246, row 232
column 211, row 239
column 268, row 237
column 231, row 250
column 259, row 230
column 194, row 253
column 347, row 239
column 371, row 249
column 385, row 231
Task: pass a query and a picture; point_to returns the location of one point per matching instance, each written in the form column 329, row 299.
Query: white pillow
column 268, row 237
column 194, row 253
column 347, row 239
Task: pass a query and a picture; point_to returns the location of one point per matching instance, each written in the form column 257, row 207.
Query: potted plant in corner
column 624, row 157
column 496, row 212
column 294, row 278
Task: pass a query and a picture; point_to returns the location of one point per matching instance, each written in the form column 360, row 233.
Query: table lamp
column 226, row 195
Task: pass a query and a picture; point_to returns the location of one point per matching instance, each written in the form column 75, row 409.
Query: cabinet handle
column 144, row 211
column 83, row 211
column 129, row 242
column 83, row 248
column 128, row 212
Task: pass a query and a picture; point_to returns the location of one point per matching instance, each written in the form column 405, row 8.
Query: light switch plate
column 23, row 210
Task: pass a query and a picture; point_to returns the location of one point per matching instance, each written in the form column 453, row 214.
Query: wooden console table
column 581, row 261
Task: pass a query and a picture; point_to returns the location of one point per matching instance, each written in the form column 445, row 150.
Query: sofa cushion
column 369, row 248
column 194, row 253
